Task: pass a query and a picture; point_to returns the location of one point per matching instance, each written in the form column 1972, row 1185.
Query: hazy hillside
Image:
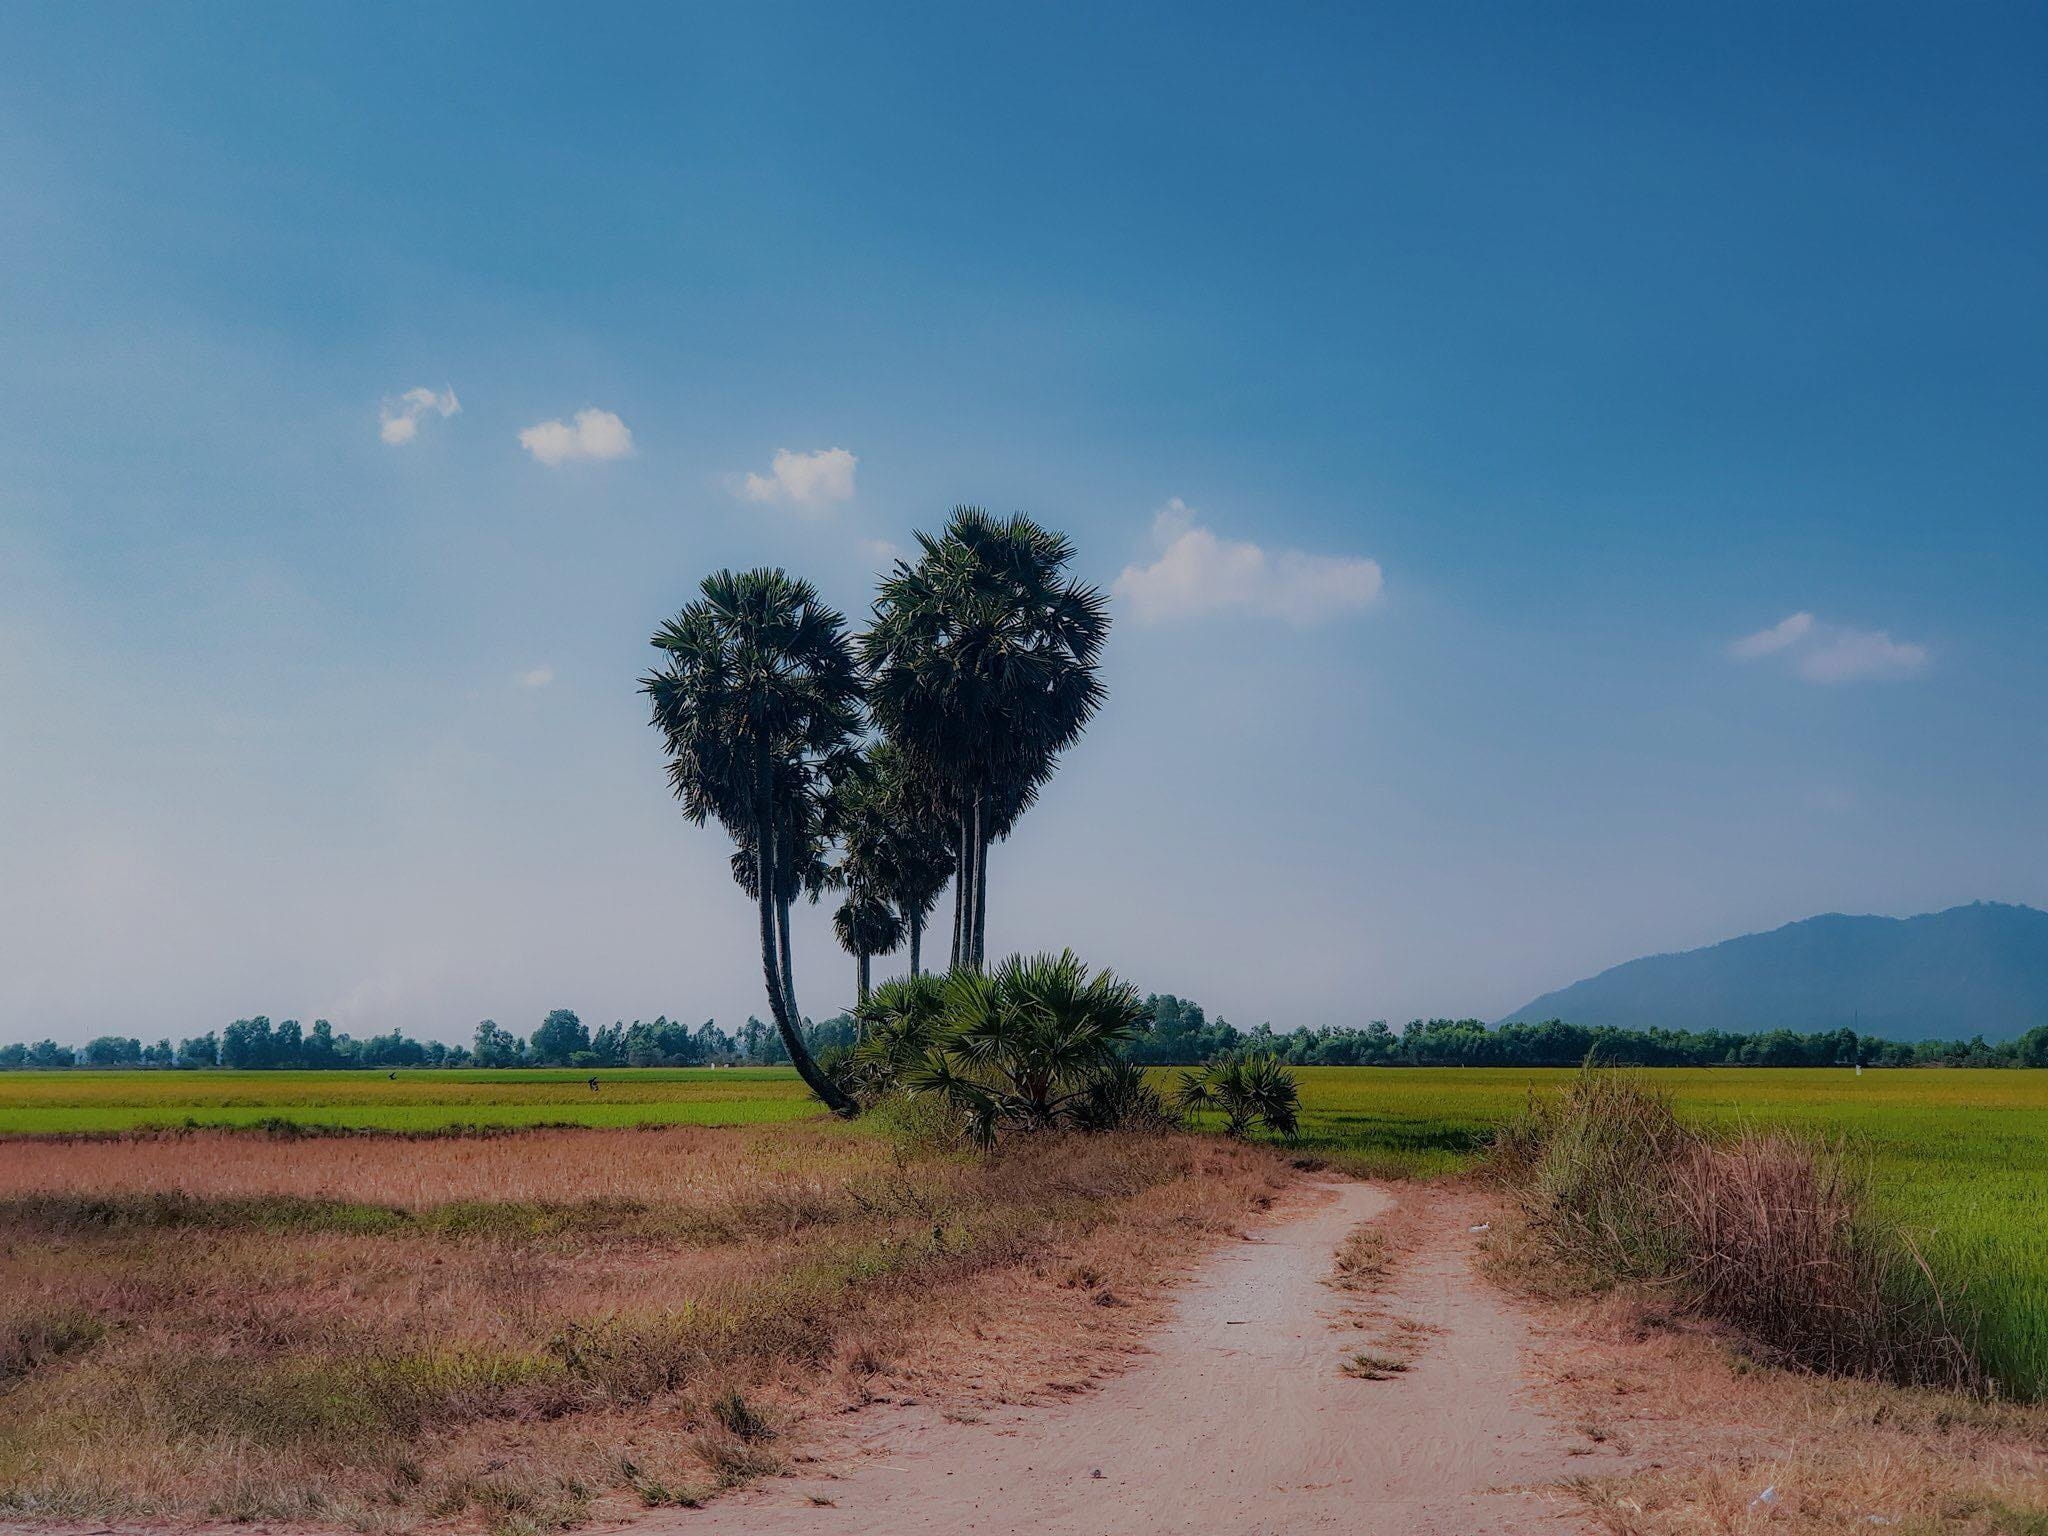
column 1980, row 969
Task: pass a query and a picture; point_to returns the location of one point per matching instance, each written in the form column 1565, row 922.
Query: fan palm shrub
column 1030, row 1046
column 900, row 1022
column 1250, row 1092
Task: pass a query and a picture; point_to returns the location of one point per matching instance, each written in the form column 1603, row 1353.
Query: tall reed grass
column 1770, row 1233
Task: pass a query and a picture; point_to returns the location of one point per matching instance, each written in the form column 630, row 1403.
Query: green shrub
column 1030, row 1046
column 1250, row 1092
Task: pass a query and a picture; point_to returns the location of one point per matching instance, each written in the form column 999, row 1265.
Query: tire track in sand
column 1240, row 1419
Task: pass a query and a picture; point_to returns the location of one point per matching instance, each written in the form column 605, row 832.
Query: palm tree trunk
column 863, row 975
column 788, row 974
column 774, row 967
column 980, row 883
column 916, row 939
column 962, row 893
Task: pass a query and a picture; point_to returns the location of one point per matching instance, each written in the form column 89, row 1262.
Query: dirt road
column 1241, row 1420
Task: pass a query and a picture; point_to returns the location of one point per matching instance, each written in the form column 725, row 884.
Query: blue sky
column 1573, row 479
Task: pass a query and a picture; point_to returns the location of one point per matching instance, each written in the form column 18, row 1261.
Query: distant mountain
column 1975, row 970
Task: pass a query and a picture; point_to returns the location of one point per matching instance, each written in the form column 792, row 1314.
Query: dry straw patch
column 675, row 1166
column 522, row 1331
column 1715, row 1431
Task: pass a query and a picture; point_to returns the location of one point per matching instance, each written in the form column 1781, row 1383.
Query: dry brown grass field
column 521, row 1332
column 1719, row 1444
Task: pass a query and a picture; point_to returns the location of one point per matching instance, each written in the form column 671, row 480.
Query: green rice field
column 1959, row 1156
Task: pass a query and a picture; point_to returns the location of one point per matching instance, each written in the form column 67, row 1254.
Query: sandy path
column 1239, row 1421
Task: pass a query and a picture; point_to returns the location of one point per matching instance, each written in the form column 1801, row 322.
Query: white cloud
column 1847, row 655
column 1833, row 653
column 593, row 434
column 538, row 677
column 399, row 420
column 810, row 482
column 1789, row 630
column 1198, row 573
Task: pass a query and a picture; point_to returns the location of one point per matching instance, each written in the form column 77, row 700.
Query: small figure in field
column 393, row 1076
column 593, row 1085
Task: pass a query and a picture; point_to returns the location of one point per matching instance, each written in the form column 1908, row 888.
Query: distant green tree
column 560, row 1036
column 496, row 1046
column 201, row 1051
column 113, row 1051
column 247, row 1043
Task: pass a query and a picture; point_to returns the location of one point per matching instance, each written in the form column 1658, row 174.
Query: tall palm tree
column 804, row 795
column 865, row 923
column 915, row 846
column 755, row 693
column 982, row 665
column 866, row 926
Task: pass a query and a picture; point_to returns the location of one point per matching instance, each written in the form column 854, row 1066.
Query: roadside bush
column 901, row 1023
column 1249, row 1091
column 1764, row 1231
column 1123, row 1098
column 1031, row 1046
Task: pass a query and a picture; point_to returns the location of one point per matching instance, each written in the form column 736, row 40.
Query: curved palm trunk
column 788, row 974
column 774, row 965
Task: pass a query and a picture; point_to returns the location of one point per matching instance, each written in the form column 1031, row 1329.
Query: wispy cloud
column 591, row 434
column 809, row 482
column 1788, row 631
column 399, row 420
column 537, row 677
column 1821, row 652
column 1199, row 573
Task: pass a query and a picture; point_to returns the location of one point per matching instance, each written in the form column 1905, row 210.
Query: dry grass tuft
column 1375, row 1365
column 1767, row 1233
column 1363, row 1259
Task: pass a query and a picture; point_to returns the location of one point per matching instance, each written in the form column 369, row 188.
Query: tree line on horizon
column 560, row 1040
column 1181, row 1032
column 1175, row 1032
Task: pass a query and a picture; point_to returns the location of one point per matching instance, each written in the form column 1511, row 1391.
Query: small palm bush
column 1031, row 1046
column 1249, row 1092
column 1123, row 1098
column 901, row 1022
